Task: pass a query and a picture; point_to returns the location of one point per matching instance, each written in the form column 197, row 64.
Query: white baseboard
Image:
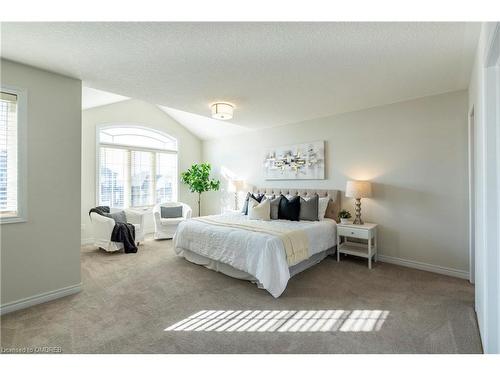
column 424, row 266
column 39, row 298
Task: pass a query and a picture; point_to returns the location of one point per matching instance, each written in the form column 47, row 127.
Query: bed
column 261, row 252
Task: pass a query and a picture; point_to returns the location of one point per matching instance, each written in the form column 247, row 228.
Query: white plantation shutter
column 141, row 185
column 166, row 177
column 137, row 167
column 113, row 177
column 8, row 154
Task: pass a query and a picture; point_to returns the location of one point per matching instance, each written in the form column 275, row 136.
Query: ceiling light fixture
column 222, row 111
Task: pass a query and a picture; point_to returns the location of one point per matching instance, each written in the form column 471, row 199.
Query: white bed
column 253, row 256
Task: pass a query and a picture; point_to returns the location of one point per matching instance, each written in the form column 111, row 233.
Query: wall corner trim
column 40, row 298
column 424, row 266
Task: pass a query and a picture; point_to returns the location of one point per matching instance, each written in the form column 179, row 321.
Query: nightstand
column 367, row 231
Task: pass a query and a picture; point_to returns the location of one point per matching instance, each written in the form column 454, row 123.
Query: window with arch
column 137, row 167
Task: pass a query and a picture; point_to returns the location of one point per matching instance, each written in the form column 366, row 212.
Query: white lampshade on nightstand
column 358, row 190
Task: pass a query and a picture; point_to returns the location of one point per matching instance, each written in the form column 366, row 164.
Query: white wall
column 139, row 113
column 486, row 200
column 415, row 152
column 42, row 255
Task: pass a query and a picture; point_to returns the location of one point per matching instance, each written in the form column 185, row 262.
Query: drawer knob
column 352, row 232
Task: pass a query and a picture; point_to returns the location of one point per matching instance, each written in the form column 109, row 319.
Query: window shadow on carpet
column 283, row 321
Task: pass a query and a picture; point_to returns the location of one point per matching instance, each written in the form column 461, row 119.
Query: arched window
column 137, row 167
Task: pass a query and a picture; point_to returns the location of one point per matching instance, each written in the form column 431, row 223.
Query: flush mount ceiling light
column 222, row 111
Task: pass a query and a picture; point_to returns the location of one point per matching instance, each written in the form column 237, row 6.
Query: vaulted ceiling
column 274, row 73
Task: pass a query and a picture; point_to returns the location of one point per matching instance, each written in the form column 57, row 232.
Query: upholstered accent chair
column 102, row 228
column 165, row 227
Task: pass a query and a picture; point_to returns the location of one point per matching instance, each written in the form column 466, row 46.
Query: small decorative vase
column 344, row 221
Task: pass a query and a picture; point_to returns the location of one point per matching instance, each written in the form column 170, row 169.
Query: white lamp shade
column 237, row 185
column 358, row 189
column 222, row 111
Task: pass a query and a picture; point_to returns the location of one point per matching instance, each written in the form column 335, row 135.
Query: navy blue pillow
column 289, row 209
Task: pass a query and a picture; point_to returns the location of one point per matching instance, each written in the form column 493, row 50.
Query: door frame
column 491, row 230
column 472, row 195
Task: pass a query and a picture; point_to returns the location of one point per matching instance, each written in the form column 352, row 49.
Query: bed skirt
column 242, row 275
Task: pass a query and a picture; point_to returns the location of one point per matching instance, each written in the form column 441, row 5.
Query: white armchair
column 165, row 228
column 102, row 227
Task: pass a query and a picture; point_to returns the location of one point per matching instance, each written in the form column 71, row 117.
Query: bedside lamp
column 238, row 186
column 358, row 190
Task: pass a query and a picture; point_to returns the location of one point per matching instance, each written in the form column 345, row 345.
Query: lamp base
column 358, row 220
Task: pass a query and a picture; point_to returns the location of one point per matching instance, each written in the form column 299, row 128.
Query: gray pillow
column 275, row 205
column 171, row 212
column 118, row 217
column 309, row 208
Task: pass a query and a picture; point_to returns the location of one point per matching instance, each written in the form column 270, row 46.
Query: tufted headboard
column 332, row 211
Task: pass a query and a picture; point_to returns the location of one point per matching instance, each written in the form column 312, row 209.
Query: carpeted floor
column 129, row 300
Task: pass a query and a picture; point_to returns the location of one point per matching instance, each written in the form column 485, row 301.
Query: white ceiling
column 204, row 127
column 275, row 73
column 95, row 98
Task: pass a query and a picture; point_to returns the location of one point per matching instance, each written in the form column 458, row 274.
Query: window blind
column 113, row 177
column 8, row 154
column 136, row 178
column 166, row 177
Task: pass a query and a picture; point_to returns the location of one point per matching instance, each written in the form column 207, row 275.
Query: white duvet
column 258, row 254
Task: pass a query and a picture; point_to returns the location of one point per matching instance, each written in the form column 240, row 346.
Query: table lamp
column 238, row 185
column 358, row 190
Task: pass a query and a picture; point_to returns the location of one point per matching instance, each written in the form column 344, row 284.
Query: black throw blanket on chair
column 122, row 232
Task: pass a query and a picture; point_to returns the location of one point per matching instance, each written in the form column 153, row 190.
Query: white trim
column 40, row 298
column 424, row 266
column 98, row 146
column 471, row 150
column 22, row 155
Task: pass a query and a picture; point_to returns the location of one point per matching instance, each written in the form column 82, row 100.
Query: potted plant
column 344, row 216
column 198, row 179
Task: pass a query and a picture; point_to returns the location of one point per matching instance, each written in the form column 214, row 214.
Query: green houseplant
column 198, row 179
column 344, row 216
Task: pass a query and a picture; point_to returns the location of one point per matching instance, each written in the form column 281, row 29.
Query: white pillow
column 259, row 211
column 322, row 205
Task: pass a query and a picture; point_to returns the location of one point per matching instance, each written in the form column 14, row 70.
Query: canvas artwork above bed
column 304, row 161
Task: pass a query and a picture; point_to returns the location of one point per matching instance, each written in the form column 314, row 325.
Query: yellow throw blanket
column 295, row 242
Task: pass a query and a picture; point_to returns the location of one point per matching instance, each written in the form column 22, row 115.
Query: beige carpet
column 129, row 300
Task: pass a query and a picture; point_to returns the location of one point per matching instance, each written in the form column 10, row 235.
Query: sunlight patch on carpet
column 282, row 321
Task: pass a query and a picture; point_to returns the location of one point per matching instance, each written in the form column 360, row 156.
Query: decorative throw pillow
column 171, row 212
column 323, row 204
column 250, row 195
column 259, row 211
column 309, row 208
column 118, row 217
column 275, row 205
column 245, row 205
column 289, row 209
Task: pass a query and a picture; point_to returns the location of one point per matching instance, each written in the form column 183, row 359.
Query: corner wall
column 135, row 112
column 487, row 160
column 40, row 258
column 415, row 153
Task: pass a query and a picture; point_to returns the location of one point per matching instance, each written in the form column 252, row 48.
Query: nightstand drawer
column 354, row 232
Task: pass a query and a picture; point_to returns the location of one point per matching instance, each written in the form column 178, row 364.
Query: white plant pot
column 344, row 221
